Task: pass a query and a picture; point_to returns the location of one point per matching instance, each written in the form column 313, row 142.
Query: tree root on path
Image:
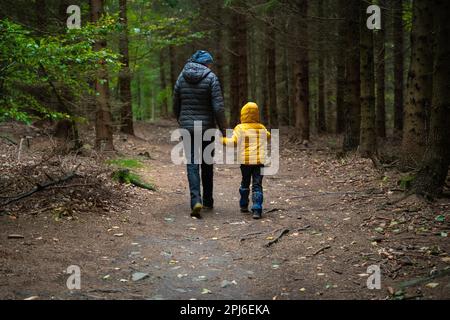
column 282, row 233
column 321, row 250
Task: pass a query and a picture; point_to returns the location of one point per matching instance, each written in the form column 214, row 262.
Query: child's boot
column 243, row 203
column 257, row 204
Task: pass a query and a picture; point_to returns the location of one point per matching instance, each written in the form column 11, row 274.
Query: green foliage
column 127, row 177
column 406, row 182
column 408, row 15
column 68, row 60
column 164, row 95
column 125, row 163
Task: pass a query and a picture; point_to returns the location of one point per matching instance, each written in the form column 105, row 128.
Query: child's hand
column 223, row 140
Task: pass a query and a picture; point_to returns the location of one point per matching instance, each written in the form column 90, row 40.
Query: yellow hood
column 250, row 113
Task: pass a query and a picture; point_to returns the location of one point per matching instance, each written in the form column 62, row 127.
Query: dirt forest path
column 326, row 217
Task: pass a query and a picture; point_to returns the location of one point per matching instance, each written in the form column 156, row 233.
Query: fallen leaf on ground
column 32, row 298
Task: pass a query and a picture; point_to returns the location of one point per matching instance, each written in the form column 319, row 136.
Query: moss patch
column 125, row 163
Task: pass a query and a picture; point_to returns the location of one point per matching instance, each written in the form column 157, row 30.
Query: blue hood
column 195, row 72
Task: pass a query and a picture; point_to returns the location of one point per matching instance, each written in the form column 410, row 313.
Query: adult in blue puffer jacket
column 198, row 98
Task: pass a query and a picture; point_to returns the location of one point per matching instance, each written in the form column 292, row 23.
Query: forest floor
column 334, row 215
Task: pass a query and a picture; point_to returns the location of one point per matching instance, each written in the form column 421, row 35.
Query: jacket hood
column 195, row 72
column 250, row 113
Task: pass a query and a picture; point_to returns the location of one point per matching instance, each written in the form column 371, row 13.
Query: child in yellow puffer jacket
column 251, row 137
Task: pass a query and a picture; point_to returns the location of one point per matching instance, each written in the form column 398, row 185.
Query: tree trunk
column 125, row 74
column 142, row 114
column 41, row 16
column 398, row 64
column 419, row 85
column 284, row 85
column 238, row 68
column 340, row 85
column 380, row 50
column 292, row 56
column 234, row 70
column 329, row 94
column 301, row 76
column 271, row 71
column 340, row 77
column 352, row 74
column 243, row 68
column 368, row 138
column 434, row 168
column 173, row 66
column 219, row 57
column 103, row 121
column 265, row 116
column 254, row 82
column 163, row 85
column 321, row 116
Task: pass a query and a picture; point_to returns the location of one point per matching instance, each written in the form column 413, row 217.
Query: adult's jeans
column 199, row 173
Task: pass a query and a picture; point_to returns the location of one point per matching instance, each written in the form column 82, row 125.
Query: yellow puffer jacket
column 250, row 137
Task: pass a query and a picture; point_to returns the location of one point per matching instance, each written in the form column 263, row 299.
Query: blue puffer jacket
column 198, row 97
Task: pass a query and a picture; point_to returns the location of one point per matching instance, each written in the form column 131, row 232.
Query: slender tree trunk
column 41, row 15
column 380, row 50
column 238, row 68
column 163, row 85
column 265, row 116
column 254, row 58
column 301, row 76
column 234, row 71
column 368, row 139
column 398, row 64
column 125, row 74
column 321, row 116
column 329, row 93
column 271, row 70
column 434, row 168
column 352, row 74
column 173, row 66
column 103, row 121
column 284, row 87
column 219, row 57
column 142, row 113
column 340, row 79
column 243, row 64
column 419, row 85
column 292, row 56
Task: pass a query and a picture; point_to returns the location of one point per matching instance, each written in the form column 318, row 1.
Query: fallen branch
column 40, row 187
column 414, row 282
column 327, row 194
column 9, row 140
column 273, row 210
column 321, row 250
column 282, row 233
column 401, row 199
column 251, row 235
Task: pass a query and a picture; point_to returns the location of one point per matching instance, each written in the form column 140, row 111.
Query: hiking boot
column 244, row 210
column 257, row 214
column 258, row 199
column 243, row 202
column 196, row 211
column 208, row 203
